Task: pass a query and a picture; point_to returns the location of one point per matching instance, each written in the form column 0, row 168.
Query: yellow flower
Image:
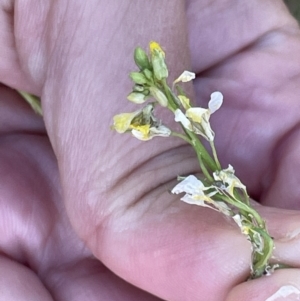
column 155, row 47
column 122, row 122
column 147, row 133
column 142, row 124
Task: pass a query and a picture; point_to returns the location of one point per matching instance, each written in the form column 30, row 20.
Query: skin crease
column 76, row 196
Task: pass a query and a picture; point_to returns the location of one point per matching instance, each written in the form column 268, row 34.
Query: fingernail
column 290, row 291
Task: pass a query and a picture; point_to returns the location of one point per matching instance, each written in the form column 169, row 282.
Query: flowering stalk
column 218, row 188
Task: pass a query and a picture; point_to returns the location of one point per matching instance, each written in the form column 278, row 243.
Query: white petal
column 223, row 208
column 161, row 130
column 189, row 185
column 197, row 114
column 216, row 100
column 190, row 200
column 139, row 135
column 238, row 220
column 180, row 117
column 186, row 76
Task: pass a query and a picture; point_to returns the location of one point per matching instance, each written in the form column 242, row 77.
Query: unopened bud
column 136, row 97
column 159, row 66
column 158, row 61
column 148, row 74
column 159, row 96
column 138, row 88
column 138, row 78
column 141, row 58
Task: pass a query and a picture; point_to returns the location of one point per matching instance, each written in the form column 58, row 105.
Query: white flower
column 197, row 119
column 186, row 76
column 230, row 181
column 180, row 117
column 198, row 194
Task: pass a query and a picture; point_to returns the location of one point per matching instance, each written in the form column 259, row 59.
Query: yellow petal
column 154, row 46
column 141, row 132
column 196, row 114
column 184, row 101
column 122, row 122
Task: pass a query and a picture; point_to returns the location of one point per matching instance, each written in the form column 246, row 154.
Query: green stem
column 204, row 157
column 33, row 101
column 261, row 261
column 199, row 148
column 168, row 92
column 251, row 213
column 212, row 145
column 203, row 168
column 175, row 134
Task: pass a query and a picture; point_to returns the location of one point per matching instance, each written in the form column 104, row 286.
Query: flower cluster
column 219, row 189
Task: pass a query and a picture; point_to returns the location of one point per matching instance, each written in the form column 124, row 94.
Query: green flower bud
column 148, row 74
column 159, row 66
column 146, row 92
column 158, row 61
column 138, row 78
column 138, row 88
column 141, row 58
column 159, row 96
column 136, row 97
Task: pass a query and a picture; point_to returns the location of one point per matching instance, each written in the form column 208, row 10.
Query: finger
column 88, row 279
column 93, row 73
column 248, row 134
column 282, row 285
column 284, row 226
column 18, row 282
column 231, row 27
column 22, row 57
column 16, row 115
column 34, row 227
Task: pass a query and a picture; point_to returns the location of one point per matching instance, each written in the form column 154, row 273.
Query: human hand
column 41, row 256
column 115, row 189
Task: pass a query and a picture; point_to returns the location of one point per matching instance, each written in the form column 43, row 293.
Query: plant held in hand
column 218, row 188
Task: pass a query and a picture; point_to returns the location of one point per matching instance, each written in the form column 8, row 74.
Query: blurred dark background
column 294, row 7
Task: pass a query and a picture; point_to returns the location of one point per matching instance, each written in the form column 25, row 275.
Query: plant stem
column 175, row 134
column 212, row 145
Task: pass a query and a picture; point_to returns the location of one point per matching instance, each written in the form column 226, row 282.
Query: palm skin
column 116, row 208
